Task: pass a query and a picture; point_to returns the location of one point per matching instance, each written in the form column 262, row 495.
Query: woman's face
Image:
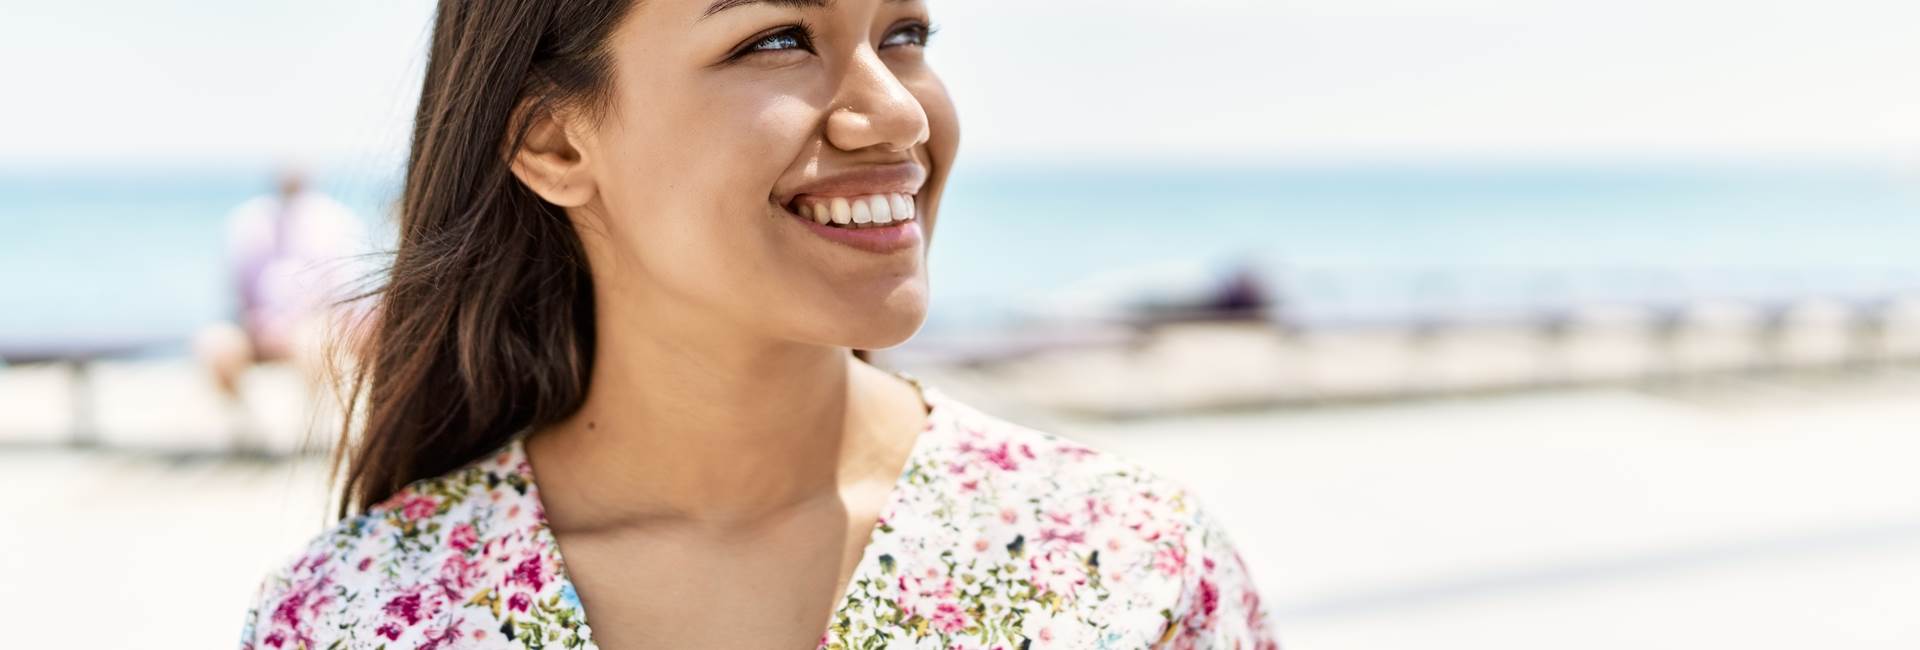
column 725, row 117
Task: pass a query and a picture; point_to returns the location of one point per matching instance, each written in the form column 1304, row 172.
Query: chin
column 881, row 328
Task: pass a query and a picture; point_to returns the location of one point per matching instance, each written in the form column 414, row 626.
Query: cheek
column 762, row 130
column 741, row 146
column 693, row 147
column 686, row 187
column 943, row 120
column 943, row 145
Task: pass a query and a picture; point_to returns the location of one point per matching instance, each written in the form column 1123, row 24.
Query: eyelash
column 801, row 35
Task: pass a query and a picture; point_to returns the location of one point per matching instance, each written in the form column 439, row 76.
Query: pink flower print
column 949, row 618
column 1209, row 597
column 308, row 597
column 288, row 612
column 1073, row 450
column 520, row 602
column 1052, row 535
column 1250, row 604
column 437, row 637
column 310, row 562
column 530, row 572
column 1095, row 509
column 1009, row 515
column 1170, row 559
column 1057, row 571
column 1062, row 528
column 462, row 537
column 389, row 630
column 1152, row 526
column 922, row 593
column 1001, row 458
column 418, row 507
column 460, row 572
column 405, row 607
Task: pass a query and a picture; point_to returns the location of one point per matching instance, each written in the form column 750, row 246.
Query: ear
column 550, row 160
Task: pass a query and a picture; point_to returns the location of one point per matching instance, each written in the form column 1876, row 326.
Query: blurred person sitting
column 288, row 254
column 1239, row 295
column 1242, row 296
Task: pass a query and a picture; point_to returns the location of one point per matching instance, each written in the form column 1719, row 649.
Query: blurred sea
column 138, row 255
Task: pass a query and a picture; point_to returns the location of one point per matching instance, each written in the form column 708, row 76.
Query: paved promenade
column 1723, row 514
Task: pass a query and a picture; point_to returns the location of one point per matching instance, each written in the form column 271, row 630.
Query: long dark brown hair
column 483, row 325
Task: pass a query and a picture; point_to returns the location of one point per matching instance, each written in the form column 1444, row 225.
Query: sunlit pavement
column 1733, row 514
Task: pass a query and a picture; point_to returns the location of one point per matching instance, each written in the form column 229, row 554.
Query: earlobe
column 551, row 163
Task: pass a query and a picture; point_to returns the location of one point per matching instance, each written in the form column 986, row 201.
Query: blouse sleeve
column 1222, row 608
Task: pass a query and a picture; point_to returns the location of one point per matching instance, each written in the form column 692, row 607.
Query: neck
column 718, row 432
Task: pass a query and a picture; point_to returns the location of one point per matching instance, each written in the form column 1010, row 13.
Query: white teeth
column 841, row 213
column 900, row 206
column 876, row 209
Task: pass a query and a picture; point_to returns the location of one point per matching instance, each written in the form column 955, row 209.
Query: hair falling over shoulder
column 483, row 323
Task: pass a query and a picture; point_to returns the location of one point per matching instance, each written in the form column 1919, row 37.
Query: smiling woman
column 638, row 243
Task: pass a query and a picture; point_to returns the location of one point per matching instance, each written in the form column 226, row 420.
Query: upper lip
column 904, row 178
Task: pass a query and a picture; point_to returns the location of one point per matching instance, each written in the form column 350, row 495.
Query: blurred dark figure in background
column 1242, row 296
column 289, row 255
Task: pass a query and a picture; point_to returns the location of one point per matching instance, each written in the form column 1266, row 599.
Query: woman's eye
column 916, row 35
column 787, row 39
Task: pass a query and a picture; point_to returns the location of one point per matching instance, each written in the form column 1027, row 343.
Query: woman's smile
column 874, row 209
column 866, row 222
column 861, row 211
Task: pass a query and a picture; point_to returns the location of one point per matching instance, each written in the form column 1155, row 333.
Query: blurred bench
column 78, row 357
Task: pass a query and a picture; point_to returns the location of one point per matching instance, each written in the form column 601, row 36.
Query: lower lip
column 892, row 238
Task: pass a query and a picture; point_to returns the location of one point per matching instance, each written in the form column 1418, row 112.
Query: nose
column 882, row 112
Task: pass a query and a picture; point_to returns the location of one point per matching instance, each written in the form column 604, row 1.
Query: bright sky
column 218, row 81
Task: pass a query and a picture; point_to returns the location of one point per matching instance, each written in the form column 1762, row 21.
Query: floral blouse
column 994, row 536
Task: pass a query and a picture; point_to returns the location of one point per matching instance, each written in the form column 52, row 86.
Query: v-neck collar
column 937, row 414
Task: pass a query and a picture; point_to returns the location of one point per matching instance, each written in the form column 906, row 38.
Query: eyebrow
column 723, row 5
